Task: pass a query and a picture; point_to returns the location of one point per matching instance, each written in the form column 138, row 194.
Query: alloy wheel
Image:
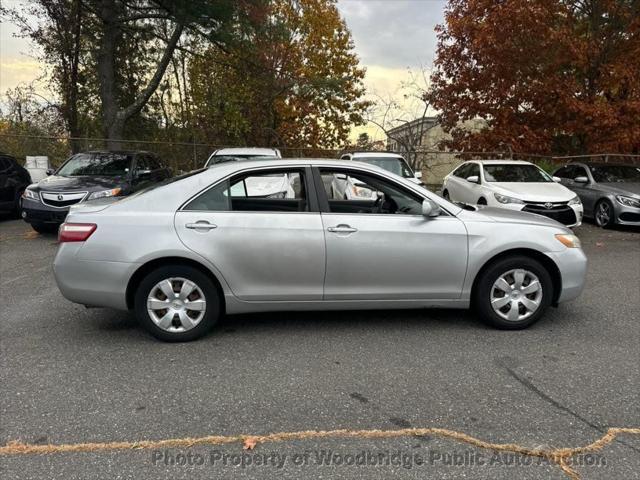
column 516, row 295
column 176, row 304
column 603, row 214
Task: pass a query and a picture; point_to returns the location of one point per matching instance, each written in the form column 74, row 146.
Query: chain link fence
column 185, row 156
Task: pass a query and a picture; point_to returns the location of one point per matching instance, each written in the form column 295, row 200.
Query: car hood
column 506, row 215
column 622, row 188
column 58, row 183
column 534, row 192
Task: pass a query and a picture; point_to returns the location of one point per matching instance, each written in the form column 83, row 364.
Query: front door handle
column 201, row 225
column 342, row 228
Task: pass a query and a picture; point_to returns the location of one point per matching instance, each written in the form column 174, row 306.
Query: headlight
column 362, row 192
column 505, row 199
column 628, row 201
column 575, row 201
column 568, row 240
column 31, row 195
column 105, row 193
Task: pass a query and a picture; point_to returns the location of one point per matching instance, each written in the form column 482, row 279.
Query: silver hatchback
column 183, row 253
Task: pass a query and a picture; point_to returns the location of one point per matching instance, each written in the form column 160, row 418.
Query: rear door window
column 261, row 191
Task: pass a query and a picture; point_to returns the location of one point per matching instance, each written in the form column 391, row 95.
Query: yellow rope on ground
column 559, row 456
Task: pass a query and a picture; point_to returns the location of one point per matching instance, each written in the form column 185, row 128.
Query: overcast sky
column 390, row 37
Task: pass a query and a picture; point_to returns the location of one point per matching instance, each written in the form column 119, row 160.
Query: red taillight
column 75, row 232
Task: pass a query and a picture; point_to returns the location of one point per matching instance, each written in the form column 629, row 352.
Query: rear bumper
column 93, row 283
column 572, row 263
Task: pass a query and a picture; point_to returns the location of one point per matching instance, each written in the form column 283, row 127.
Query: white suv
column 513, row 184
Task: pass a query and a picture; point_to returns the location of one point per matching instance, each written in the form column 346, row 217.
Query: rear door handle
column 342, row 228
column 201, row 225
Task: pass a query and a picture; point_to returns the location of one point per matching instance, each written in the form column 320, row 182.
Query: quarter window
column 356, row 192
column 271, row 191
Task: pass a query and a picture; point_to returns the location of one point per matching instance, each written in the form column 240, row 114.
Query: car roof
column 375, row 154
column 117, row 152
column 245, row 151
column 600, row 164
column 502, row 162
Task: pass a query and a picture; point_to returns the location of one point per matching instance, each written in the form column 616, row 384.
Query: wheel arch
column 151, row 265
column 548, row 263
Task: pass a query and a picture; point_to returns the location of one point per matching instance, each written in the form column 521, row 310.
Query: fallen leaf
column 599, row 244
column 249, row 443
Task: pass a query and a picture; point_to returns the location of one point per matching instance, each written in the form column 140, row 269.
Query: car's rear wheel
column 482, row 201
column 177, row 303
column 45, row 227
column 513, row 292
column 604, row 214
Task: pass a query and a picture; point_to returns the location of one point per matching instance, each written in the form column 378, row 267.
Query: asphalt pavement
column 74, row 375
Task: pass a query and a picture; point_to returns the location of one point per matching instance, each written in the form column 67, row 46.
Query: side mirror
column 430, row 209
column 473, row 179
column 50, row 171
column 341, row 176
column 556, row 179
column 418, row 175
column 581, row 180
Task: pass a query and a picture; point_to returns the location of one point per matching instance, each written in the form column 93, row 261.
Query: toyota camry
column 185, row 252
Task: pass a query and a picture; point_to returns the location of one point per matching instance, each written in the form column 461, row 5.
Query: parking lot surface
column 75, row 375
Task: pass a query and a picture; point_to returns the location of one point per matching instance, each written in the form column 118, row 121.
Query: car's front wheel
column 177, row 303
column 513, row 292
column 604, row 214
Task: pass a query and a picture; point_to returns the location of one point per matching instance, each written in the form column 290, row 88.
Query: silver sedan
column 183, row 253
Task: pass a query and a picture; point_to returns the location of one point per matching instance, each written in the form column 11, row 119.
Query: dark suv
column 87, row 176
column 14, row 178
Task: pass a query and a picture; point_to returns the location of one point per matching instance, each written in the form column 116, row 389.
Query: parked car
column 241, row 153
column 274, row 186
column 391, row 162
column 14, row 178
column 610, row 193
column 515, row 185
column 347, row 188
column 211, row 251
column 88, row 176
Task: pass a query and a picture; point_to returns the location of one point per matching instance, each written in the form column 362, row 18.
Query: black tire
column 202, row 281
column 16, row 205
column 598, row 214
column 45, row 227
column 482, row 201
column 484, row 289
column 445, row 195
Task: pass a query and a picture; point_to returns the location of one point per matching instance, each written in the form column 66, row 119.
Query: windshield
column 515, row 173
column 615, row 173
column 395, row 165
column 109, row 165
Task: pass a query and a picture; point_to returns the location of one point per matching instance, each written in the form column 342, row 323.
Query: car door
column 267, row 248
column 7, row 184
column 470, row 191
column 384, row 248
column 588, row 196
column 453, row 182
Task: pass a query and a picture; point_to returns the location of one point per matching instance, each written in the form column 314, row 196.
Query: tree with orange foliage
column 548, row 76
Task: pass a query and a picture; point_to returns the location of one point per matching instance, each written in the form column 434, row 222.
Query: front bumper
column 38, row 212
column 626, row 215
column 91, row 283
column 570, row 216
column 572, row 263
